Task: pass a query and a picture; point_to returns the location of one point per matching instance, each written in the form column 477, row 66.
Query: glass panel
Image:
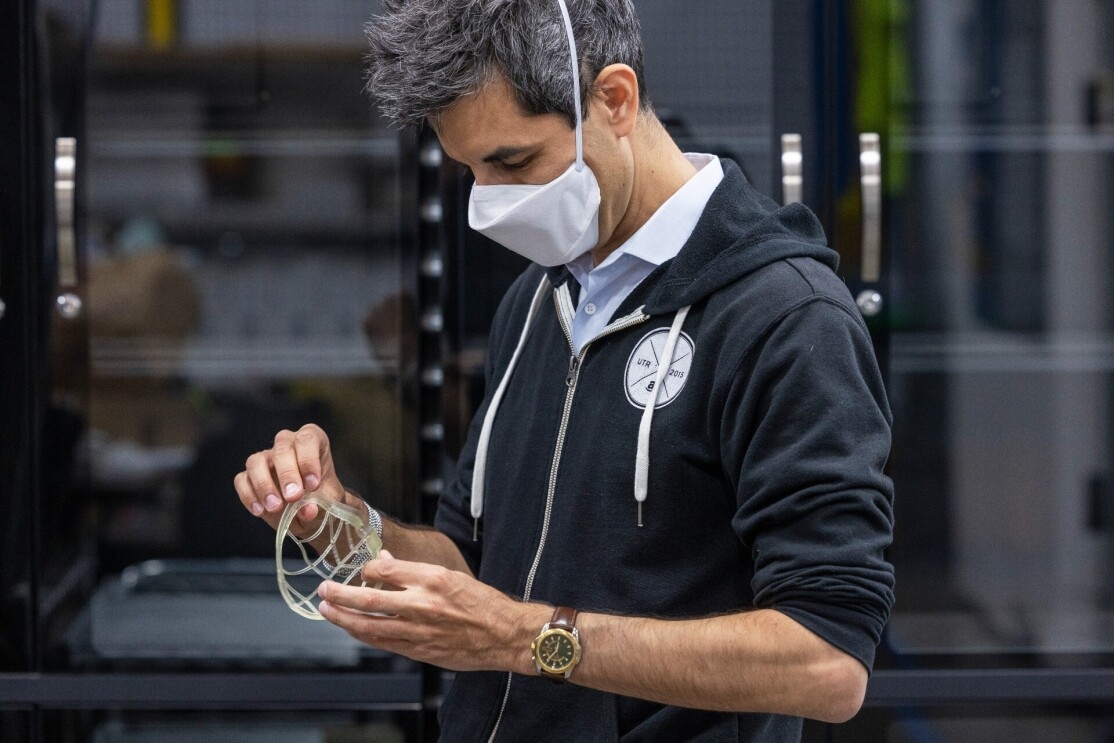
column 709, row 73
column 243, row 275
column 999, row 175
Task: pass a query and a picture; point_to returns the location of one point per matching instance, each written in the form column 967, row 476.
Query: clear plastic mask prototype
column 351, row 543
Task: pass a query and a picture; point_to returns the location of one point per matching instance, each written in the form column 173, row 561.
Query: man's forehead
column 489, row 125
column 491, row 104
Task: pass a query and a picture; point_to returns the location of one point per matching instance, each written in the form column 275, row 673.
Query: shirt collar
column 666, row 231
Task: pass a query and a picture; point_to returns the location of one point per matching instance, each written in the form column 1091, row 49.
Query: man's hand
column 437, row 616
column 299, row 462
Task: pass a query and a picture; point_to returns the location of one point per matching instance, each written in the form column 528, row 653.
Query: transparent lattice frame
column 352, row 542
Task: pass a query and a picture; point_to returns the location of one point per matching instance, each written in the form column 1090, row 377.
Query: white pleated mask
column 551, row 223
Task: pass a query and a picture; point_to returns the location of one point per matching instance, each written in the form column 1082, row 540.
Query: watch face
column 556, row 651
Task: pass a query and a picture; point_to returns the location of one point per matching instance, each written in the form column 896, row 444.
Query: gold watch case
column 556, row 650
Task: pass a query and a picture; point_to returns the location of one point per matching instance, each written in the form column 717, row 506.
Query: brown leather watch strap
column 564, row 617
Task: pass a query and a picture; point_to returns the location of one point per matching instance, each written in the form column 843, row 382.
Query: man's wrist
column 533, row 617
column 374, row 518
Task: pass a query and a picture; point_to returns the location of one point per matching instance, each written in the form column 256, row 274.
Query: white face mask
column 551, row 223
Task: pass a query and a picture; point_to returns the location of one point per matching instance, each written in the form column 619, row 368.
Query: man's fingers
column 251, row 502
column 258, row 472
column 364, row 600
column 361, row 600
column 307, row 514
column 247, row 494
column 399, row 573
column 296, row 463
column 385, row 632
column 309, row 447
column 284, row 460
column 391, row 572
column 297, row 460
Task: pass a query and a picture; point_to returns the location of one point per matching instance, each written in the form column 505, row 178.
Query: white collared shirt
column 604, row 287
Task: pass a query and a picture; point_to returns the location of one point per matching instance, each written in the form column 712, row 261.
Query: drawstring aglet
column 640, row 513
column 475, row 530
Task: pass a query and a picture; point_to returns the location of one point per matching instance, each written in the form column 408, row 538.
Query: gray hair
column 428, row 54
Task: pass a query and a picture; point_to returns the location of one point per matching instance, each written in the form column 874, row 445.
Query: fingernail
column 323, row 589
column 257, row 509
column 273, row 503
column 312, row 482
column 324, row 607
column 290, row 489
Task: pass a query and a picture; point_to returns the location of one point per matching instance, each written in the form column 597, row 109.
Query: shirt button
column 590, row 308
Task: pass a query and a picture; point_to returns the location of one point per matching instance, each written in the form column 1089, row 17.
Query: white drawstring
column 642, row 458
column 485, row 432
column 575, row 86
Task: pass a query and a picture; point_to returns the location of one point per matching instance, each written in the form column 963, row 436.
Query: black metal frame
column 1020, row 686
column 21, row 328
column 406, row 691
column 213, row 691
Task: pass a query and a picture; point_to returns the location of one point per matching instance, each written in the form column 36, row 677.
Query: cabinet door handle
column 870, row 161
column 792, row 169
column 65, row 182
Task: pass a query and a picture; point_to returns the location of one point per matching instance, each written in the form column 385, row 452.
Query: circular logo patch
column 642, row 368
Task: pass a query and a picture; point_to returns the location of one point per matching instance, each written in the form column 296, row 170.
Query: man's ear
column 616, row 88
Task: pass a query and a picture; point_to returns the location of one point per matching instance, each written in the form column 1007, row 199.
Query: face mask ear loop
column 575, row 86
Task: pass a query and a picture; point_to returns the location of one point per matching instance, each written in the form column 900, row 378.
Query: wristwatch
column 557, row 647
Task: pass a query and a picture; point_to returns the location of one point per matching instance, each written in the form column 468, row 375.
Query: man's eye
column 516, row 166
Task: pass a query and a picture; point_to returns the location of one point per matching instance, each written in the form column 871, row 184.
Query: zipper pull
column 574, row 369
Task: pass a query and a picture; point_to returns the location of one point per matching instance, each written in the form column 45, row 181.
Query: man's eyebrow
column 505, row 153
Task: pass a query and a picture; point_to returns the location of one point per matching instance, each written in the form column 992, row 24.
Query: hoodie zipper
column 571, row 378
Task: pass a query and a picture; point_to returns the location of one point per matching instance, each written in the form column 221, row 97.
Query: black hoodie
column 766, row 455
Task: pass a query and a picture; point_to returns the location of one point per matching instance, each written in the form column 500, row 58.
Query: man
column 684, row 431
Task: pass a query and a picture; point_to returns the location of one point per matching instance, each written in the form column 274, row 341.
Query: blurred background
column 208, row 234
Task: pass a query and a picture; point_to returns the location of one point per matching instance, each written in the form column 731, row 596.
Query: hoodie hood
column 739, row 232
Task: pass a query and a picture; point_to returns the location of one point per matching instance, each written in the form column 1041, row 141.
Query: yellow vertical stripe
column 162, row 23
